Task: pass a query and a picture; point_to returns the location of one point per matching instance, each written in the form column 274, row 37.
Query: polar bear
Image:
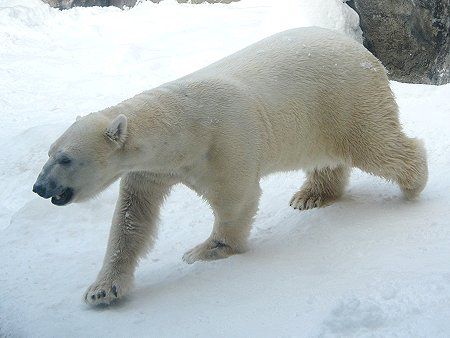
column 306, row 98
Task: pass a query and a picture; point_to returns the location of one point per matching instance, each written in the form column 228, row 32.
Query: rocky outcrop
column 66, row 4
column 410, row 37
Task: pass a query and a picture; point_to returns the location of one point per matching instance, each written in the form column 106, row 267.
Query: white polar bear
column 306, row 98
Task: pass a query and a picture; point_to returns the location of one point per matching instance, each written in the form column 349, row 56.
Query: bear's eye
column 64, row 160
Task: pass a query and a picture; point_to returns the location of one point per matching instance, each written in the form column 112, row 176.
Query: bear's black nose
column 40, row 190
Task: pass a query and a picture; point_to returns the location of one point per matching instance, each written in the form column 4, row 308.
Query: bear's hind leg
column 402, row 160
column 413, row 178
column 321, row 188
column 234, row 210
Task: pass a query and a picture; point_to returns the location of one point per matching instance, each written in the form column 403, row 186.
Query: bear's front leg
column 132, row 232
column 234, row 211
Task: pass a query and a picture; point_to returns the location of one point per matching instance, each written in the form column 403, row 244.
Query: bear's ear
column 117, row 130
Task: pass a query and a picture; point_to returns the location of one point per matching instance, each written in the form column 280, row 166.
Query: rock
column 410, row 37
column 66, row 4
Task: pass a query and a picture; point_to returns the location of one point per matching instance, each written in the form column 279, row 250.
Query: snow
column 370, row 265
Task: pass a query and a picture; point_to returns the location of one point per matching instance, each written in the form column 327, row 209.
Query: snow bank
column 371, row 264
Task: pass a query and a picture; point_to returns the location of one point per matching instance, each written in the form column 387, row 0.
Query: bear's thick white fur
column 306, row 98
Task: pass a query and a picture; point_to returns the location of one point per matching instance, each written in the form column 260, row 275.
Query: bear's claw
column 208, row 251
column 305, row 201
column 106, row 291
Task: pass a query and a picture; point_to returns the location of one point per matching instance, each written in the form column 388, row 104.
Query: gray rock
column 410, row 37
column 66, row 4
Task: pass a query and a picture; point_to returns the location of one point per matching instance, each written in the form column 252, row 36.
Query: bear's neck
column 156, row 120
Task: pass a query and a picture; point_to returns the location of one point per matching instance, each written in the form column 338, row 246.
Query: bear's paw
column 106, row 290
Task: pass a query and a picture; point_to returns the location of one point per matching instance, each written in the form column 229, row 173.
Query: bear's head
column 84, row 160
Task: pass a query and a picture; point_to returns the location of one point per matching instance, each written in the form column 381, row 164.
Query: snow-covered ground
column 370, row 265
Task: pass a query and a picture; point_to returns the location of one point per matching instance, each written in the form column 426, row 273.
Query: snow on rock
column 371, row 264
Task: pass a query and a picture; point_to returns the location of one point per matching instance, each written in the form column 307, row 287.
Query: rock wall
column 410, row 37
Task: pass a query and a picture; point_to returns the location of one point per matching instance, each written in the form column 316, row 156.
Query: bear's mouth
column 63, row 197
